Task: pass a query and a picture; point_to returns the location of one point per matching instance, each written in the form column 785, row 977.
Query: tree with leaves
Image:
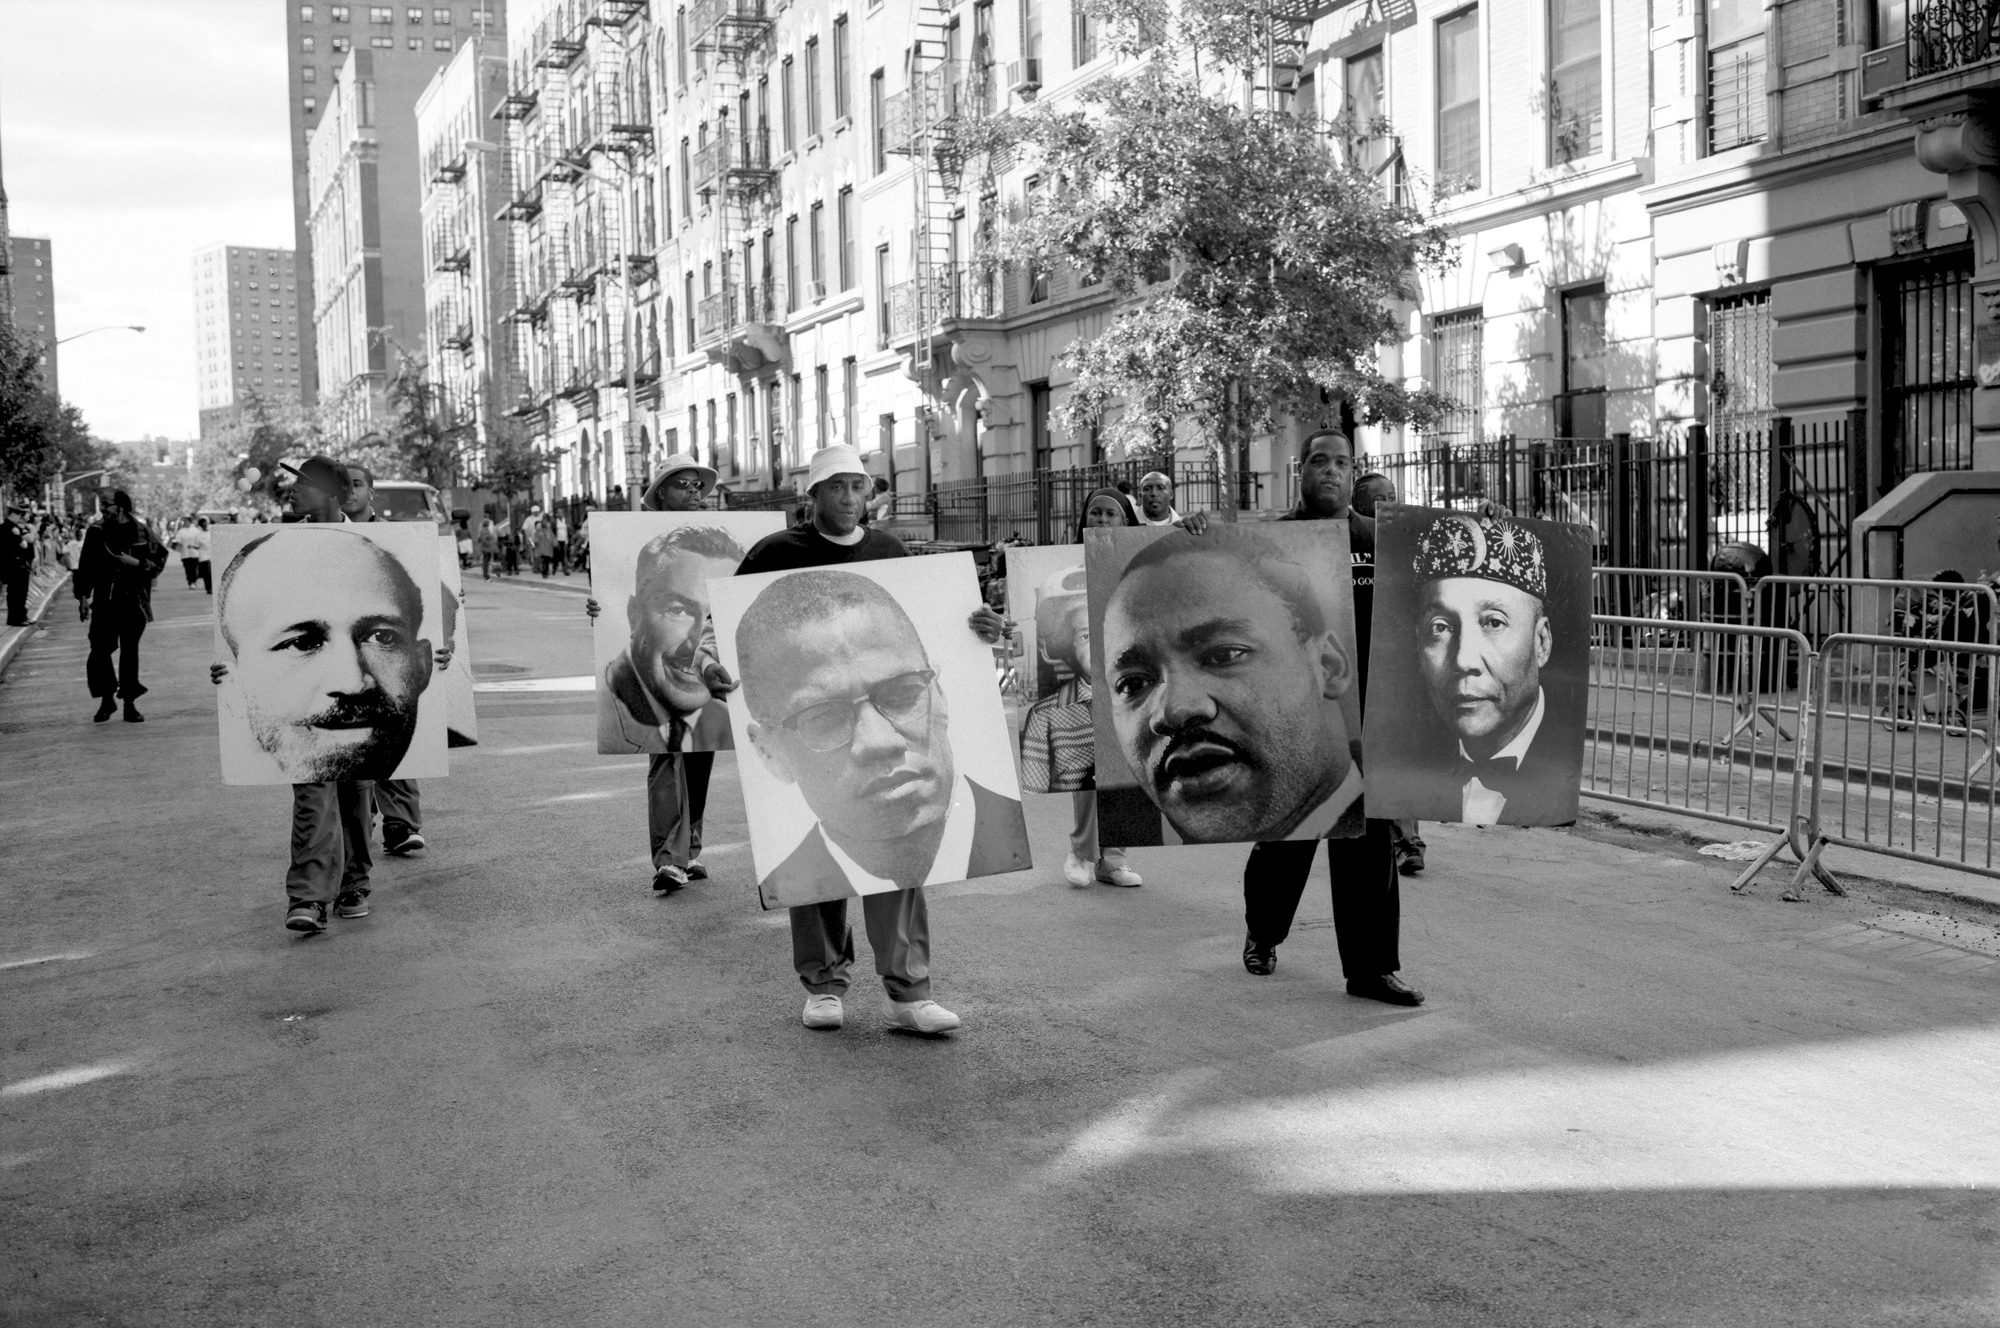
column 513, row 462
column 424, row 446
column 1284, row 266
column 33, row 422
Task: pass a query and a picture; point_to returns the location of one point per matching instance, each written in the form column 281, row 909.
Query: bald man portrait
column 1228, row 686
column 328, row 657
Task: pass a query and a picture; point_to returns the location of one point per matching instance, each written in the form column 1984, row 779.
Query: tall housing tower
column 246, row 325
column 6, row 258
column 33, row 299
column 407, row 45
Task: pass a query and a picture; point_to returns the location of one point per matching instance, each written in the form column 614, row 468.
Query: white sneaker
column 1113, row 871
column 921, row 1016
column 1076, row 871
column 824, row 1012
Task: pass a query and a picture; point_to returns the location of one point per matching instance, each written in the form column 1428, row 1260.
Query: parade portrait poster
column 1046, row 599
column 649, row 572
column 872, row 741
column 327, row 635
column 461, row 721
column 1479, row 667
column 1226, row 696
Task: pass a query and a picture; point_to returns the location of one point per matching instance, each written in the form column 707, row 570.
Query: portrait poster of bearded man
column 328, row 632
column 1225, row 693
column 1479, row 676
column 655, row 648
column 872, row 740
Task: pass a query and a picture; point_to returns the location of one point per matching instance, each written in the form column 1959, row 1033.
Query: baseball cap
column 322, row 473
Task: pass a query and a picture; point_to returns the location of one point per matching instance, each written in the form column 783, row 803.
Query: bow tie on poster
column 1490, row 769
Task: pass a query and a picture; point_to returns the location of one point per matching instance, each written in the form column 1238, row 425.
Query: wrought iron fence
column 1948, row 34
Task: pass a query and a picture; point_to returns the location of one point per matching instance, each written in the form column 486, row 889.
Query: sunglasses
column 829, row 726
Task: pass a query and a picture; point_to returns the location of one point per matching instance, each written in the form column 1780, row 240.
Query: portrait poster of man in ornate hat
column 1479, row 677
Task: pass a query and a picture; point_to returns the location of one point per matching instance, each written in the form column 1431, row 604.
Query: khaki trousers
column 899, row 931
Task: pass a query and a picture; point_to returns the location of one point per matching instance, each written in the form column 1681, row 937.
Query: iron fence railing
column 1950, row 34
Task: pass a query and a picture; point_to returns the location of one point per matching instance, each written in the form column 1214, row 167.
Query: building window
column 840, row 53
column 1739, row 413
column 1458, row 102
column 342, row 45
column 822, row 407
column 1927, row 358
column 1458, row 371
column 877, row 121
column 311, row 105
column 309, row 75
column 792, row 264
column 850, row 401
column 1580, row 407
column 440, row 43
column 1576, row 85
column 687, row 303
column 812, row 87
column 785, row 113
column 884, row 325
column 687, row 189
column 414, row 16
column 305, row 13
column 381, row 14
column 1735, row 73
column 306, row 45
column 1083, row 37
column 416, row 43
column 816, row 238
column 1364, row 116
column 844, row 222
column 338, row 13
column 1031, row 29
column 382, row 43
column 681, row 47
column 441, row 17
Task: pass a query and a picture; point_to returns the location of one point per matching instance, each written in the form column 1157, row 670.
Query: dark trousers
column 1367, row 904
column 400, row 805
column 899, row 931
column 207, row 576
column 192, row 566
column 330, row 824
column 17, row 597
column 114, row 634
column 676, row 797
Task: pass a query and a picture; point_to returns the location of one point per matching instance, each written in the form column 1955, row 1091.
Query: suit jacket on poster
column 811, row 875
column 1542, row 791
column 631, row 723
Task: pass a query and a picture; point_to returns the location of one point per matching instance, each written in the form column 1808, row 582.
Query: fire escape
column 736, row 324
column 520, row 111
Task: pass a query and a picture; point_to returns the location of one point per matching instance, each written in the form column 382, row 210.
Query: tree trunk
column 1228, row 427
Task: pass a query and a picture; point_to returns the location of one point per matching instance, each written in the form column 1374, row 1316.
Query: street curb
column 37, row 607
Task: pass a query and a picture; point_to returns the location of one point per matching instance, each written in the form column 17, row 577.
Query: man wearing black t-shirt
column 898, row 921
column 1366, row 901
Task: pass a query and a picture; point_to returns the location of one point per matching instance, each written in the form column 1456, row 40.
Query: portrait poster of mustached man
column 654, row 645
column 871, row 737
column 1225, row 695
column 327, row 633
column 1479, row 676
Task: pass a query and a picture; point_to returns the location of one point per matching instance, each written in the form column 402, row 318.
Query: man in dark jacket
column 120, row 559
column 1366, row 901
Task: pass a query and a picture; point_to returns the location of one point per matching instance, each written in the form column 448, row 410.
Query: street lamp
column 108, row 327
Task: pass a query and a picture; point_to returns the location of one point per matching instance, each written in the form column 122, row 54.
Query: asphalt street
column 527, row 1091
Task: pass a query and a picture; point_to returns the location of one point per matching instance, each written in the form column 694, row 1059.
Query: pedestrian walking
column 1366, row 900
column 196, row 545
column 489, row 546
column 119, row 559
column 559, row 531
column 17, row 563
column 72, row 558
column 898, row 921
column 676, row 782
column 397, row 799
column 545, row 546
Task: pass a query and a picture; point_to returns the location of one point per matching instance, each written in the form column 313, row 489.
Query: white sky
column 135, row 132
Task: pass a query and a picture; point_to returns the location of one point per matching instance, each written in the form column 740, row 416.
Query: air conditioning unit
column 1024, row 77
column 1884, row 68
column 815, row 291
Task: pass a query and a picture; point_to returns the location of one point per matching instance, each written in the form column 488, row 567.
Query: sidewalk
column 47, row 583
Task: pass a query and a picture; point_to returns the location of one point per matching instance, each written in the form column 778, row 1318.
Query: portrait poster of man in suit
column 878, row 753
column 654, row 645
column 1225, row 694
column 326, row 636
column 461, row 721
column 1045, row 590
column 1479, row 678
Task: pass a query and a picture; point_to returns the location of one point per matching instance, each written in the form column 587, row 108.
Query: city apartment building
column 468, row 344
column 32, row 264
column 246, row 331
column 407, row 45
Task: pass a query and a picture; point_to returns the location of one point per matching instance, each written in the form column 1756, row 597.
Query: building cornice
column 1710, row 183
column 1544, row 196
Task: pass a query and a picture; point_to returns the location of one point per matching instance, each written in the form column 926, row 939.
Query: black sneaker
column 697, row 872
column 106, row 709
column 402, row 844
column 351, row 904
column 1410, row 859
column 309, row 919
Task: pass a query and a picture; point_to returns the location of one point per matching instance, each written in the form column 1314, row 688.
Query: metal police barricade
column 1670, row 723
column 1902, row 739
column 1669, row 593
column 1821, row 606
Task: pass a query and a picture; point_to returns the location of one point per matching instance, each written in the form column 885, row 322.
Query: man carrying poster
column 1486, row 725
column 1366, row 898
column 860, row 728
column 398, row 800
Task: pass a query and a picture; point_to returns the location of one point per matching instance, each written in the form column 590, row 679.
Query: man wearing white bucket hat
column 898, row 921
column 677, row 782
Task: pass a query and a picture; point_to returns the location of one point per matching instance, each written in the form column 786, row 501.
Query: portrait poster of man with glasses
column 658, row 676
column 881, row 755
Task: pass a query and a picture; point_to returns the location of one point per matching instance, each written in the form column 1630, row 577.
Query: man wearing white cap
column 898, row 921
column 677, row 782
